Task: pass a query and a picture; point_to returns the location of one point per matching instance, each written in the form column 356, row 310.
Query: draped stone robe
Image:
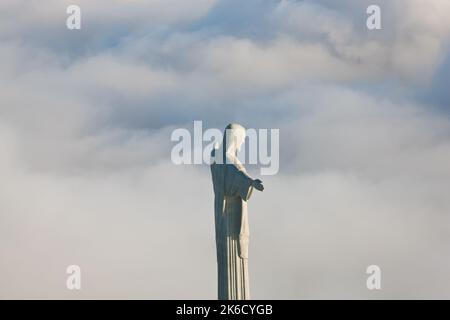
column 232, row 189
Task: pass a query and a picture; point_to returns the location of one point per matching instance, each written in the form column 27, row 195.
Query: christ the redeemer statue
column 232, row 188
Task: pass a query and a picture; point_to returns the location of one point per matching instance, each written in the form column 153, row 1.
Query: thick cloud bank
column 85, row 124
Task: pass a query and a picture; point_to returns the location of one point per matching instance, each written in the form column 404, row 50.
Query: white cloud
column 85, row 122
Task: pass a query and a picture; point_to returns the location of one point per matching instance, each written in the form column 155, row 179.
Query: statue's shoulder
column 213, row 157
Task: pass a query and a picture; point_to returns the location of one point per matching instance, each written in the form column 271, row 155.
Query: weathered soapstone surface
column 233, row 187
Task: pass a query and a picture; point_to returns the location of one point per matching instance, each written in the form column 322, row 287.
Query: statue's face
column 240, row 139
column 235, row 138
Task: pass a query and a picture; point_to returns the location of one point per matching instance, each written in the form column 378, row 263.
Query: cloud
column 85, row 123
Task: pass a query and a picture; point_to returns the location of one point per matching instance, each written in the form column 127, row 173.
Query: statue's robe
column 232, row 189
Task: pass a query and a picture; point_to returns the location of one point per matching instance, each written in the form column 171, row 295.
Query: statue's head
column 235, row 137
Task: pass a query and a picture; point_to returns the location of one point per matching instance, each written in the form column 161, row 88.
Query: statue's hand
column 257, row 184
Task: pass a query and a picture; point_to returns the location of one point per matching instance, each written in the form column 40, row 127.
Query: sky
column 85, row 123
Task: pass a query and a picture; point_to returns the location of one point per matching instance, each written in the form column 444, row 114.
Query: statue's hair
column 220, row 151
column 233, row 126
column 229, row 129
